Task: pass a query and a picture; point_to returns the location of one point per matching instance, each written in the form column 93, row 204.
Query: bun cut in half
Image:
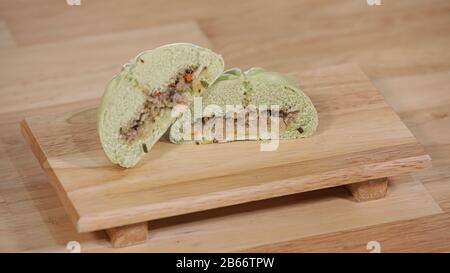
column 136, row 107
column 255, row 89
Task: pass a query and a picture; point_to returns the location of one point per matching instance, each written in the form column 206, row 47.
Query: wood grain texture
column 401, row 45
column 6, row 39
column 278, row 220
column 360, row 138
column 97, row 60
column 423, row 103
column 369, row 190
column 128, row 235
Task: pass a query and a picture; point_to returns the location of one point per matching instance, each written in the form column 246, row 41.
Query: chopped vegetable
column 188, row 77
column 204, row 83
column 144, row 147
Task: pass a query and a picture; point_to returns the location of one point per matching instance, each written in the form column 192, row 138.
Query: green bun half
column 256, row 87
column 136, row 107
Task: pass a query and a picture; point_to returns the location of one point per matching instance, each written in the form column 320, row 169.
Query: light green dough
column 126, row 93
column 256, row 87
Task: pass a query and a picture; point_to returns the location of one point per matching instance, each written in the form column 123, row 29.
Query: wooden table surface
column 55, row 57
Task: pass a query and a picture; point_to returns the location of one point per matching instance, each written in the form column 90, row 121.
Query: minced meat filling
column 285, row 116
column 288, row 117
column 157, row 101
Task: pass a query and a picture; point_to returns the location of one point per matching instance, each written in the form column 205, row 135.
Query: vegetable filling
column 157, row 101
column 286, row 118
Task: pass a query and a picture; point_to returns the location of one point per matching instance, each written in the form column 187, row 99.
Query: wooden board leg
column 128, row 235
column 369, row 190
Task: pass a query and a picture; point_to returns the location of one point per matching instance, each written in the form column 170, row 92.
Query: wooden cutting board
column 359, row 138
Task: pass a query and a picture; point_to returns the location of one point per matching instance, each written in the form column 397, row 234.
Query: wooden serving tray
column 360, row 142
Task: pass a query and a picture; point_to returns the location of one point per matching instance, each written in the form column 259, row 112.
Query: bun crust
column 129, row 120
column 257, row 87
